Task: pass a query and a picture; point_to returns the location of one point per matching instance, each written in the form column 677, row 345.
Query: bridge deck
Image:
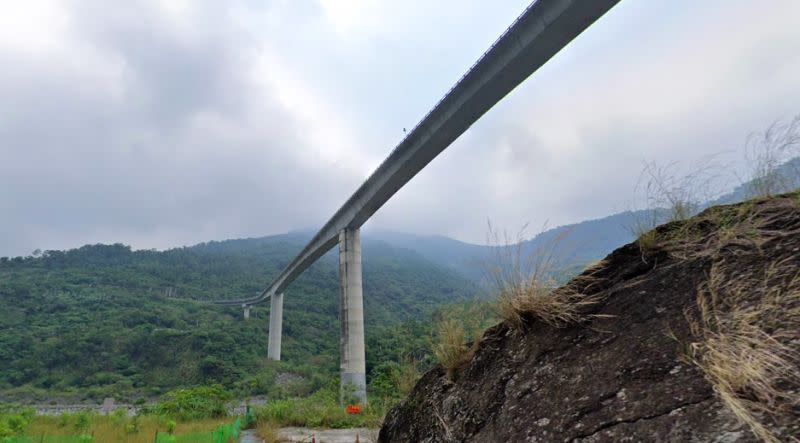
column 540, row 32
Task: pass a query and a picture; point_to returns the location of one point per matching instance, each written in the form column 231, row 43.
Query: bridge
column 533, row 38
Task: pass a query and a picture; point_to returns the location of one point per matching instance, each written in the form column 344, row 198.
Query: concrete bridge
column 534, row 37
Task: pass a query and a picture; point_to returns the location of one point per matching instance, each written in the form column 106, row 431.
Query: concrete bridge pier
column 275, row 327
column 351, row 318
column 246, row 311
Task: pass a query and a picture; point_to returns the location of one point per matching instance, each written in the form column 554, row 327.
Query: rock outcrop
column 627, row 372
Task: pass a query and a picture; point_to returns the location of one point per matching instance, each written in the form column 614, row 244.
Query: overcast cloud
column 166, row 123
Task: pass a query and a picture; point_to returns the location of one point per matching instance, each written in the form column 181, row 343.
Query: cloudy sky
column 166, row 123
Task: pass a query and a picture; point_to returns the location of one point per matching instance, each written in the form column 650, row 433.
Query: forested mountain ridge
column 106, row 320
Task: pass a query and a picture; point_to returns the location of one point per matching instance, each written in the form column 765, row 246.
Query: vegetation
column 451, row 347
column 14, row 422
column 744, row 341
column 195, row 403
column 320, row 409
column 526, row 287
column 105, row 321
column 114, row 428
column 767, row 153
column 188, row 415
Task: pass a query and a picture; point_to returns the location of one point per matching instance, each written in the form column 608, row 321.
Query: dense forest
column 105, row 320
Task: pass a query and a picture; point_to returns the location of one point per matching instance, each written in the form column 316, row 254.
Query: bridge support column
column 351, row 318
column 275, row 326
column 246, row 311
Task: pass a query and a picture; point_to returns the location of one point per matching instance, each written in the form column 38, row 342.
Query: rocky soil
column 624, row 374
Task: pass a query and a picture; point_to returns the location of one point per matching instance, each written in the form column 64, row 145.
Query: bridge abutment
column 275, row 326
column 351, row 318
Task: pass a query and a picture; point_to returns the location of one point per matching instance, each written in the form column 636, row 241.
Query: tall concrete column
column 351, row 317
column 275, row 326
column 246, row 311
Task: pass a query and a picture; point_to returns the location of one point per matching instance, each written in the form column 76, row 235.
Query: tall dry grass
column 525, row 284
column 457, row 333
column 109, row 428
column 743, row 330
column 408, row 375
column 450, row 346
column 766, row 152
column 267, row 431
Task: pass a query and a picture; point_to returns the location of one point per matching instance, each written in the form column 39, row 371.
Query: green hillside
column 103, row 320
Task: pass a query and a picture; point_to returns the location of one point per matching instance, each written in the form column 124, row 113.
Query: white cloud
column 163, row 123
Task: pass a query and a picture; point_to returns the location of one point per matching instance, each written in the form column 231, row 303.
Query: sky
column 167, row 123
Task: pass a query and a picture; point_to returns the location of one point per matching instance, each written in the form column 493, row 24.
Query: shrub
column 15, row 423
column 195, row 403
column 63, row 419
column 320, row 409
column 82, row 422
column 133, row 426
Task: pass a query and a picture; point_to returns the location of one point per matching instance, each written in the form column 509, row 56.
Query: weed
column 407, row 375
column 108, row 429
column 450, row 347
column 767, row 152
column 268, row 431
column 742, row 327
column 647, row 241
column 525, row 286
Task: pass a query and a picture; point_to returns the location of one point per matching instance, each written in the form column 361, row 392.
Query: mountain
column 105, row 320
column 578, row 244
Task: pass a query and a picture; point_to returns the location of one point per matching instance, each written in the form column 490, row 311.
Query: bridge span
column 544, row 28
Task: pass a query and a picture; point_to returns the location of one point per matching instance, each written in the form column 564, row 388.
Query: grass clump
column 768, row 152
column 743, row 330
column 525, row 283
column 194, row 403
column 14, row 422
column 450, row 347
column 267, row 431
column 455, row 339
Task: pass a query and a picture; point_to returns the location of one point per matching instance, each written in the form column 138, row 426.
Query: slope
column 105, row 320
column 693, row 337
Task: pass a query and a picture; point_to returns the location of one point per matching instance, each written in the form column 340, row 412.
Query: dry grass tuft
column 451, row 348
column 408, row 375
column 744, row 328
column 525, row 284
column 766, row 152
column 532, row 299
column 647, row 241
column 268, row 431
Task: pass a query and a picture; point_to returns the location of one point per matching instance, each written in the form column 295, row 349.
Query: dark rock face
column 618, row 377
